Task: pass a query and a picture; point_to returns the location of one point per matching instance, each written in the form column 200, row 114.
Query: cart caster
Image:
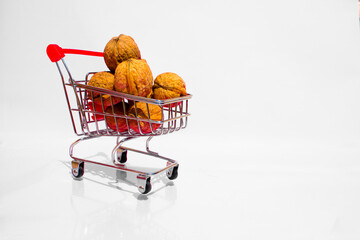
column 172, row 173
column 144, row 188
column 122, row 155
column 77, row 169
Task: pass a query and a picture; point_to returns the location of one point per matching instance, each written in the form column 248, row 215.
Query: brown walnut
column 168, row 85
column 119, row 49
column 142, row 111
column 105, row 100
column 102, row 80
column 120, row 123
column 134, row 76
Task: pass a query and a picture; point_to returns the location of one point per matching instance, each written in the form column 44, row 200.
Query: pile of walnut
column 131, row 74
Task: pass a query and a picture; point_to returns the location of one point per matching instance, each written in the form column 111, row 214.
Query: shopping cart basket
column 90, row 119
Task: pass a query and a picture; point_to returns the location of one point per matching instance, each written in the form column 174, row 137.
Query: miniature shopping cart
column 89, row 120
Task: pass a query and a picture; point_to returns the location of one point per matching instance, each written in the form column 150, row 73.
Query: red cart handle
column 55, row 53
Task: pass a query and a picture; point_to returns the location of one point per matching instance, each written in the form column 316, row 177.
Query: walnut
column 134, row 76
column 119, row 111
column 143, row 110
column 107, row 101
column 102, row 80
column 97, row 106
column 119, row 49
column 168, row 85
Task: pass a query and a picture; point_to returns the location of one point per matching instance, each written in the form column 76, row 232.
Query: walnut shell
column 168, row 85
column 141, row 109
column 120, row 123
column 134, row 76
column 119, row 49
column 107, row 100
column 102, row 80
column 97, row 106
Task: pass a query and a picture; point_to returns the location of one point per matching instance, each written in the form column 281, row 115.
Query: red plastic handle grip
column 55, row 53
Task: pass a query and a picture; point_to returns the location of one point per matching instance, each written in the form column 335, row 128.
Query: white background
column 272, row 146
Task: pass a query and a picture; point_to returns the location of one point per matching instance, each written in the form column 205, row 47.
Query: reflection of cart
column 92, row 119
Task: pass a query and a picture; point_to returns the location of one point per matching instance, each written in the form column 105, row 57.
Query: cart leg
column 77, row 169
column 148, row 148
column 144, row 184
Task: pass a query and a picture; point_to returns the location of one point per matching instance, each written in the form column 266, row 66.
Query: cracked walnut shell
column 119, row 49
column 134, row 77
column 142, row 110
column 168, row 85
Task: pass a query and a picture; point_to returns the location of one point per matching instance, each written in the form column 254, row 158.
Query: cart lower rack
column 97, row 112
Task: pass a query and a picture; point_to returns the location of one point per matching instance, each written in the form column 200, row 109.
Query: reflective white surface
column 260, row 189
column 273, row 144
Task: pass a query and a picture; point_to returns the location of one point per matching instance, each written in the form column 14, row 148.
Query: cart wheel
column 147, row 188
column 77, row 169
column 173, row 173
column 122, row 155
